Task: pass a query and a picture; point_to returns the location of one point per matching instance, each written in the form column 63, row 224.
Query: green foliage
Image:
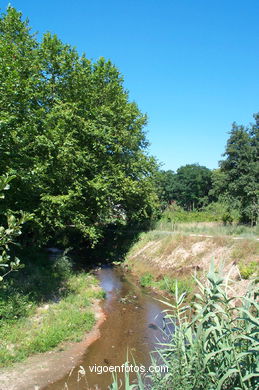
column 166, row 182
column 62, row 266
column 247, row 270
column 189, row 187
column 174, row 214
column 214, row 347
column 217, row 348
column 9, row 233
column 240, row 170
column 14, row 305
column 41, row 330
column 40, row 280
column 146, row 280
column 71, row 137
column 169, row 284
column 224, row 211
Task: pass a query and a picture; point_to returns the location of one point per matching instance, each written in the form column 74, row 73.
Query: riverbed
column 134, row 327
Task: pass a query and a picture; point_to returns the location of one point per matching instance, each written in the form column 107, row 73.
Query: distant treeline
column 232, row 189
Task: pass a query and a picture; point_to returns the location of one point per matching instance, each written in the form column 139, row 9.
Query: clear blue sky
column 191, row 65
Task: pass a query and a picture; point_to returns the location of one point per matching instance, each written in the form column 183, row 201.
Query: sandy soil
column 42, row 369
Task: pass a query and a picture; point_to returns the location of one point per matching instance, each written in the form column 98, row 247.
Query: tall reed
column 215, row 342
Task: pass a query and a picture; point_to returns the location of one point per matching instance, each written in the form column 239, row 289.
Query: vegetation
column 214, row 347
column 207, row 221
column 44, row 305
column 240, row 169
column 71, row 138
column 249, row 269
column 167, row 283
column 189, row 186
column 9, row 263
column 230, row 193
column 175, row 214
column 74, row 149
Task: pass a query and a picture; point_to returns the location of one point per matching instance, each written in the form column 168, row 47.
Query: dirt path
column 42, row 369
column 204, row 235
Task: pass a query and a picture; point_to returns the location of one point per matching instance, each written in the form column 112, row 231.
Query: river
column 133, row 327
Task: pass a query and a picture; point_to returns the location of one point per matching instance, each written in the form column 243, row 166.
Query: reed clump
column 214, row 345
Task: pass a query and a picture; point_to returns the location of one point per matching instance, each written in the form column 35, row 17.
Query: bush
column 247, row 270
column 176, row 214
column 14, row 305
column 223, row 212
column 146, row 280
column 169, row 284
column 62, row 266
column 42, row 279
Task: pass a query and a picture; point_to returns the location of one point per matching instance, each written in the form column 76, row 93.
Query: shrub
column 146, row 280
column 63, row 266
column 169, row 284
column 14, row 305
column 247, row 270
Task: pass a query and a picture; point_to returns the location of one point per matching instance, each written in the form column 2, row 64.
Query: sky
column 191, row 65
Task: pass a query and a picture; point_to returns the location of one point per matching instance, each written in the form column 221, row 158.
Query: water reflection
column 132, row 327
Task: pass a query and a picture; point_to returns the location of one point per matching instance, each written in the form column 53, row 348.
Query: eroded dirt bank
column 178, row 255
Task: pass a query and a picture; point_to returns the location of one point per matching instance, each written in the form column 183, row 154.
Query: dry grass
column 245, row 250
column 179, row 255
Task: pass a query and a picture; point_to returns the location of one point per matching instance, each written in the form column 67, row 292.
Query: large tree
column 188, row 187
column 166, row 181
column 241, row 169
column 192, row 186
column 70, row 136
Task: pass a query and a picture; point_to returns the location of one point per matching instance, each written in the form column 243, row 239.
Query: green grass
column 189, row 216
column 208, row 221
column 249, row 269
column 214, row 229
column 147, row 280
column 43, row 305
column 67, row 320
column 167, row 283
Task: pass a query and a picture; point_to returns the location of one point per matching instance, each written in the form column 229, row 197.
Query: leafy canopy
column 240, row 170
column 71, row 137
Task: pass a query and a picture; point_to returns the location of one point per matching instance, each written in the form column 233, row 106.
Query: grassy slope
column 37, row 317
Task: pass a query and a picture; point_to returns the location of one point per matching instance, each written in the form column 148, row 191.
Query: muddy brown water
column 132, row 328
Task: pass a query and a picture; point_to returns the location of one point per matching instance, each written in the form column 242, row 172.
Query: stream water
column 133, row 327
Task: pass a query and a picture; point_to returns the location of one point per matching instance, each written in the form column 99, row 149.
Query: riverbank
column 46, row 306
column 160, row 257
column 51, row 324
column 39, row 370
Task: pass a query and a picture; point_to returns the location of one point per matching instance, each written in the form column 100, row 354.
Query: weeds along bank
column 44, row 305
column 161, row 256
column 214, row 345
